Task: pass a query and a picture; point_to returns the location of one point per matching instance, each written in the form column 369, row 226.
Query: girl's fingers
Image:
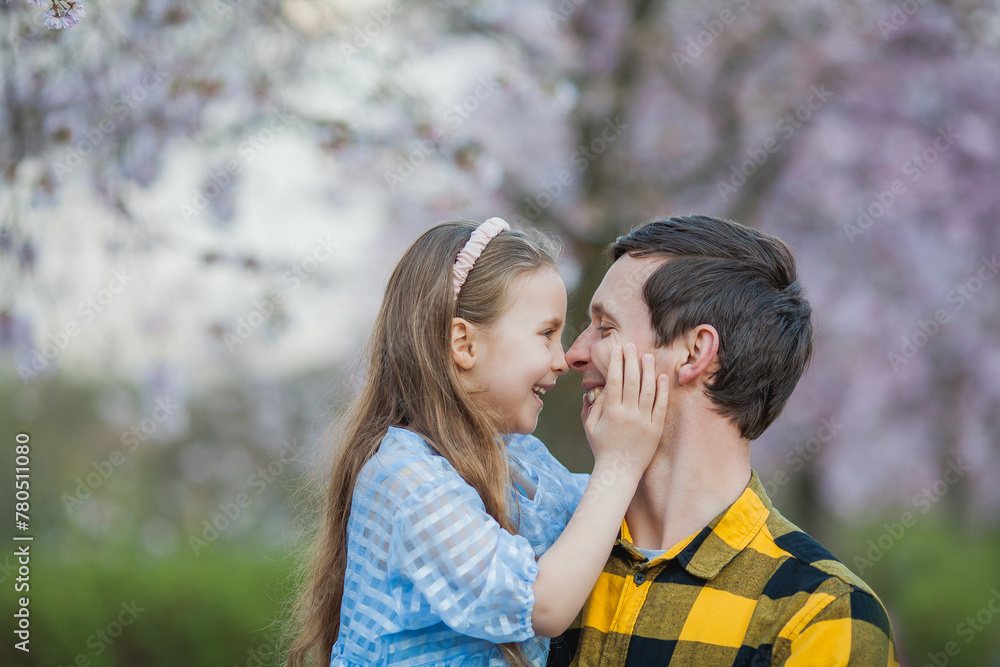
column 647, row 393
column 662, row 395
column 630, row 390
column 613, row 386
column 596, row 410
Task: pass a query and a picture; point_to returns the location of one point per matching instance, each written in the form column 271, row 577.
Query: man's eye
column 603, row 330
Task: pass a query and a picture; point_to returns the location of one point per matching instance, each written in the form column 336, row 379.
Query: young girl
column 444, row 542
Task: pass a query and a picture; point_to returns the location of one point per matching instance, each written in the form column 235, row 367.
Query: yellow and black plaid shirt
column 749, row 589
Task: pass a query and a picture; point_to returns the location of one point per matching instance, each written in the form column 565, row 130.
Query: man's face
column 618, row 315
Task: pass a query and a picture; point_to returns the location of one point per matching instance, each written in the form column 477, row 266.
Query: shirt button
column 639, row 578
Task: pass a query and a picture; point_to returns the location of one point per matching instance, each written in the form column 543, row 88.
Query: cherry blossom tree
column 862, row 135
column 258, row 167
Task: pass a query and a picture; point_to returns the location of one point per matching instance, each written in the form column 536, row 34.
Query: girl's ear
column 463, row 350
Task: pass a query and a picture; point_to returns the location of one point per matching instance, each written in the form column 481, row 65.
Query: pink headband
column 470, row 253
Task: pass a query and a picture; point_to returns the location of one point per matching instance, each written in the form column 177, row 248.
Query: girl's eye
column 548, row 333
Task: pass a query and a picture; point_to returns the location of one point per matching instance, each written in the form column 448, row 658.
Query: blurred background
column 200, row 203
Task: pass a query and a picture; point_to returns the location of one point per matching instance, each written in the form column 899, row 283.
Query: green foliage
column 218, row 609
column 935, row 580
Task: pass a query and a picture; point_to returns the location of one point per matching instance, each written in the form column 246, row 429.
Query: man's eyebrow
column 599, row 310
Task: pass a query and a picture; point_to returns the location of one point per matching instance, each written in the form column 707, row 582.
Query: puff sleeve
column 474, row 575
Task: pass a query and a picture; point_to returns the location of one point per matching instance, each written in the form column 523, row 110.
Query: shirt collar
column 705, row 553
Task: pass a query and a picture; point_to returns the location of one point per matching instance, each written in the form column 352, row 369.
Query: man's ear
column 702, row 346
column 463, row 348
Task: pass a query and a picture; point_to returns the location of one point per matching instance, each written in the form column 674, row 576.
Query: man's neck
column 697, row 472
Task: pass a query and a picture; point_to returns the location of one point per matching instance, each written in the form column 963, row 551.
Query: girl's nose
column 559, row 362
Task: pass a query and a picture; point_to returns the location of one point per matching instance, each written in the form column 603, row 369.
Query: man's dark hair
column 742, row 282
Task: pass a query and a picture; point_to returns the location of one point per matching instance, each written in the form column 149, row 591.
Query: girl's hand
column 624, row 427
column 625, row 423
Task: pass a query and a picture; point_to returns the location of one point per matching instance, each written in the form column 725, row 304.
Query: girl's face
column 522, row 355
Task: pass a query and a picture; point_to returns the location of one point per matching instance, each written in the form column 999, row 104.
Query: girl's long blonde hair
column 412, row 382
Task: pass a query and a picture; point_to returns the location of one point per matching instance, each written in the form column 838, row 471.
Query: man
column 705, row 571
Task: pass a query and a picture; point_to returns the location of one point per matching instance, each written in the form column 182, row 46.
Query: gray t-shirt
column 651, row 553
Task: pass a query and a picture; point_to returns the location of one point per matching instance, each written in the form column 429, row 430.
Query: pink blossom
column 61, row 13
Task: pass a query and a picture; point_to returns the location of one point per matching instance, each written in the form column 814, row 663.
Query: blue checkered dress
column 432, row 579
